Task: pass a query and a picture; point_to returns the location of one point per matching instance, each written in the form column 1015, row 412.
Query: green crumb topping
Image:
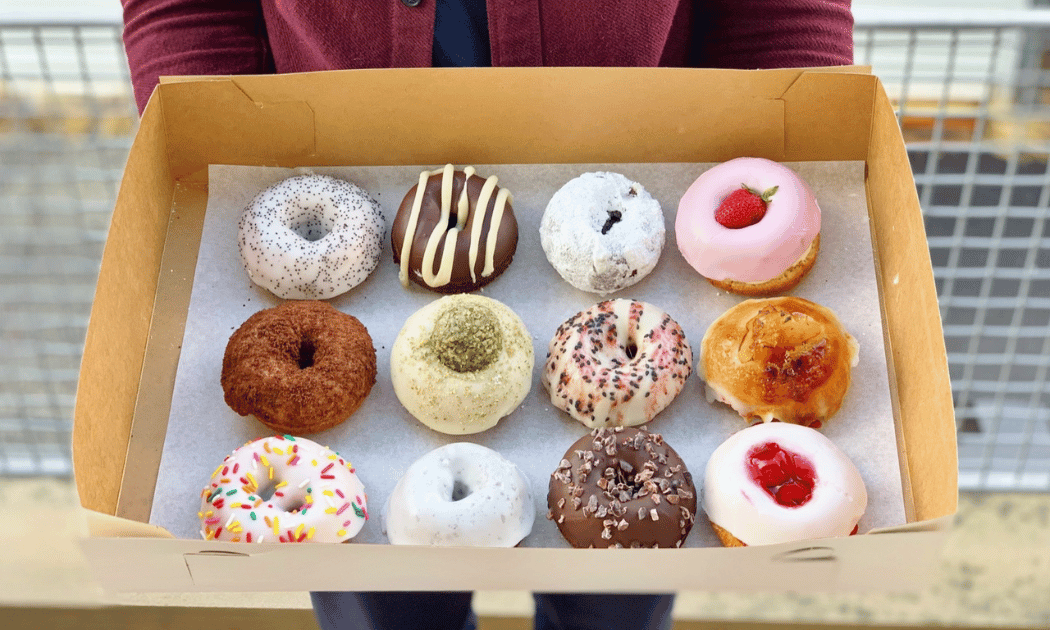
column 467, row 337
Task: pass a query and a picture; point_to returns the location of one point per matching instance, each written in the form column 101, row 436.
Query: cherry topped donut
column 455, row 232
column 777, row 482
column 300, row 368
column 622, row 487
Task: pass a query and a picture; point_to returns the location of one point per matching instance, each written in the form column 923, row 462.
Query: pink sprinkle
column 213, row 520
column 256, row 455
column 327, row 468
column 346, row 523
column 293, row 461
column 359, row 501
column 340, row 493
column 342, row 509
column 235, row 467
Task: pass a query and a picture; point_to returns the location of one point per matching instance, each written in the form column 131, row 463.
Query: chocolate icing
column 464, row 276
column 622, row 487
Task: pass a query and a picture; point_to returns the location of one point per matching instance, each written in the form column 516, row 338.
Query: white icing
column 733, row 501
column 426, row 507
column 304, row 499
column 460, row 402
column 607, row 388
column 274, row 236
column 572, row 239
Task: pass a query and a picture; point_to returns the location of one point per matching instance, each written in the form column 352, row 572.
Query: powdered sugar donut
column 311, row 237
column 777, row 482
column 461, row 494
column 602, row 232
column 283, row 489
column 619, row 363
column 769, row 256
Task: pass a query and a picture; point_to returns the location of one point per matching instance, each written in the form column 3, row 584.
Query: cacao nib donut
column 455, row 232
column 300, row 368
column 622, row 487
column 618, row 363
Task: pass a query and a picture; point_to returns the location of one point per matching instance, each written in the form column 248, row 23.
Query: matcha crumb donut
column 461, row 363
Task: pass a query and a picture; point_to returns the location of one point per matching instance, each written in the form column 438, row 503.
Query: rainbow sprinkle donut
column 283, row 489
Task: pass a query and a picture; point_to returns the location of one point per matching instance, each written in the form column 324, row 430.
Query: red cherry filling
column 787, row 477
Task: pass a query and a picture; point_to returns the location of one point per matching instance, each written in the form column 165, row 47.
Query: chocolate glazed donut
column 622, row 487
column 458, row 229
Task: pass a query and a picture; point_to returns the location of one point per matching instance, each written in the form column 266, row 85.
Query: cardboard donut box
column 496, row 116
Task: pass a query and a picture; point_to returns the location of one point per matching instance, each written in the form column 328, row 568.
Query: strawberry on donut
column 750, row 226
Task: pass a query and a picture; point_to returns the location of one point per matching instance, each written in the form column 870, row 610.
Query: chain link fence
column 971, row 89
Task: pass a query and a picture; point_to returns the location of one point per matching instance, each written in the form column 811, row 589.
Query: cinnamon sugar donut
column 300, row 368
column 622, row 487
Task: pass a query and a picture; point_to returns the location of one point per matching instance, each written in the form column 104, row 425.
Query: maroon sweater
column 173, row 37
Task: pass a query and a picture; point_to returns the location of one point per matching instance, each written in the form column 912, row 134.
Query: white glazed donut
column 602, row 232
column 283, row 489
column 311, row 237
column 461, row 363
column 619, row 363
column 461, row 494
column 751, row 490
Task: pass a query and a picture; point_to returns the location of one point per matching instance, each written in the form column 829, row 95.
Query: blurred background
column 970, row 80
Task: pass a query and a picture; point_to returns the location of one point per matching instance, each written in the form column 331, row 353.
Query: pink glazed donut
column 768, row 257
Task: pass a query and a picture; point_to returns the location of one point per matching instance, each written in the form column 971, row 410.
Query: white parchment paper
column 382, row 439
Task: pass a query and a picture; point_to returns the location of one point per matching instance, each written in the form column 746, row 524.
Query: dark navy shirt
column 461, row 34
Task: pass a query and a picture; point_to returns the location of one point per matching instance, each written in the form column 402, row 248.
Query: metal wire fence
column 971, row 91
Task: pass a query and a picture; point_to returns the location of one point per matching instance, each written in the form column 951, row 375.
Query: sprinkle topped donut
column 455, row 232
column 311, row 237
column 283, row 489
column 750, row 226
column 619, row 363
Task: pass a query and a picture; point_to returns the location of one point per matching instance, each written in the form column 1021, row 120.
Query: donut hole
column 305, row 357
column 460, row 490
column 311, row 225
column 467, row 338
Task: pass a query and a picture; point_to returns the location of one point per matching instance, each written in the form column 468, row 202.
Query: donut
column 301, row 367
column 443, row 242
column 310, row 237
column 622, row 487
column 750, row 226
column 776, row 483
column 461, row 363
column 461, row 494
column 784, row 359
column 618, row 363
column 283, row 489
column 602, row 232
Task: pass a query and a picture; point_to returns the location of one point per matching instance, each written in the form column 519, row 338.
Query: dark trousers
column 451, row 611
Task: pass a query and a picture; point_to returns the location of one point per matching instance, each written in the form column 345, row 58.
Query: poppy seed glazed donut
column 311, row 237
column 301, row 367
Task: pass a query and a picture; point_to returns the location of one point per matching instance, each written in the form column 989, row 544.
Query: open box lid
column 513, row 115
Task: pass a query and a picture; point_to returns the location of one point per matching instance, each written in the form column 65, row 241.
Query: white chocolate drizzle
column 450, row 235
